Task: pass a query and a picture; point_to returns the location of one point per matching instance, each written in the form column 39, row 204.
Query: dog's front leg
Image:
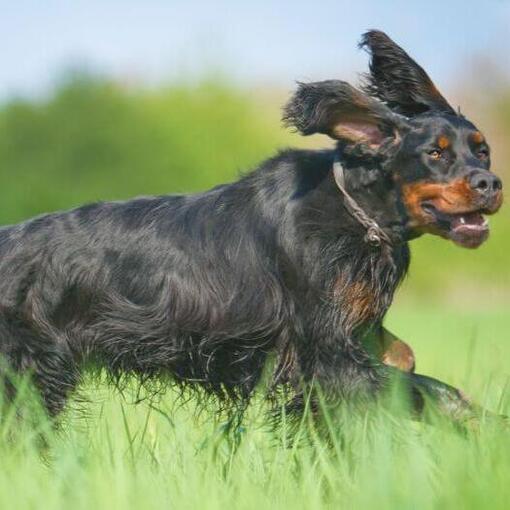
column 428, row 396
column 389, row 349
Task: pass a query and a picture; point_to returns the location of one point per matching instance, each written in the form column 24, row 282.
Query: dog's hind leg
column 47, row 362
column 55, row 376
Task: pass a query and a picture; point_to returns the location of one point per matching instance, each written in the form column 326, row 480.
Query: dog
column 297, row 261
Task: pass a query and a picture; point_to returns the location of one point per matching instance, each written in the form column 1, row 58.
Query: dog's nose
column 485, row 183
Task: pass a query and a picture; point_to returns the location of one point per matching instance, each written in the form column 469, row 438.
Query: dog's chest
column 362, row 295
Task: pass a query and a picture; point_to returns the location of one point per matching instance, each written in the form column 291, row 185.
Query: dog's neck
column 373, row 189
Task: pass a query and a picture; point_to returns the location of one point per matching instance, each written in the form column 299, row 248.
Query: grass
column 126, row 456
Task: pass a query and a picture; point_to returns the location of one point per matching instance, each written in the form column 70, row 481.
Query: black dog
column 300, row 258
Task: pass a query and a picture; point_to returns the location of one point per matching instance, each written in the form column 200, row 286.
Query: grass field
column 121, row 455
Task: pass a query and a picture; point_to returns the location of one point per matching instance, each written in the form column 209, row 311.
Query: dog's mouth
column 468, row 229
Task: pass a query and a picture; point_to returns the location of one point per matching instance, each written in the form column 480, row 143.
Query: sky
column 255, row 43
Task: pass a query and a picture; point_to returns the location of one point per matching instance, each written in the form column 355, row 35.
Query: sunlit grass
column 110, row 453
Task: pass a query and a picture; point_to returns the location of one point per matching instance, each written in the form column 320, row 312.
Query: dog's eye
column 482, row 154
column 435, row 153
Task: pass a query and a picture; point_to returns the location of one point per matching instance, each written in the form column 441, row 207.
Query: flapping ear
column 336, row 109
column 398, row 80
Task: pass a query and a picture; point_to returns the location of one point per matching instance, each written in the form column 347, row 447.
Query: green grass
column 121, row 455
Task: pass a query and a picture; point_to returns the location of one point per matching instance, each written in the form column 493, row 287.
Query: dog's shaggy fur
column 202, row 288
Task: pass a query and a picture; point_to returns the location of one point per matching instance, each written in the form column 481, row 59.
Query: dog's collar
column 375, row 235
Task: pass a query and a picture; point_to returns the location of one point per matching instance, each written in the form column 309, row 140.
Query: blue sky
column 256, row 43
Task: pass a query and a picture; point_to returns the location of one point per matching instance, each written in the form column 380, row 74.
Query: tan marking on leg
column 396, row 353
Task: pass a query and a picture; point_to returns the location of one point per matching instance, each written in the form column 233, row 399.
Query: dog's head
column 437, row 161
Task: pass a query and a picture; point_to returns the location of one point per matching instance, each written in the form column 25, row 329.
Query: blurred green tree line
column 95, row 139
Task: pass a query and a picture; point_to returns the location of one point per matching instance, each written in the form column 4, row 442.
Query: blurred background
column 108, row 100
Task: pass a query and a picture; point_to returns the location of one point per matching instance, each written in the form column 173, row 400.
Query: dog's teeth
column 485, row 222
column 462, row 220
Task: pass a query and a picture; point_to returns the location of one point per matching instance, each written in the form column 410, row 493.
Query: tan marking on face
column 451, row 198
column 443, row 142
column 477, row 137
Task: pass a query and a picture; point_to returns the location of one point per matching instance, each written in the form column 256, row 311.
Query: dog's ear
column 398, row 80
column 337, row 109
